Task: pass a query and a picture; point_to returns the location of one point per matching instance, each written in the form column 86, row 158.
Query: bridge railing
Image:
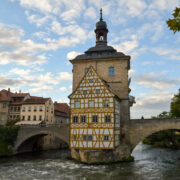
column 43, row 125
column 174, row 118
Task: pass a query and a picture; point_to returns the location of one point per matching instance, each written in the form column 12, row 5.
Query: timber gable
column 92, row 114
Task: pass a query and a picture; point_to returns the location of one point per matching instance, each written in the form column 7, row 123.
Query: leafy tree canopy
column 164, row 114
column 175, row 105
column 174, row 24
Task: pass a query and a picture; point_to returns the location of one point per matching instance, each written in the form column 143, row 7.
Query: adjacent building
column 38, row 109
column 5, row 97
column 61, row 113
column 15, row 105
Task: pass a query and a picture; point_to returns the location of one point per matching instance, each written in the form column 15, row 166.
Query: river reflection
column 150, row 164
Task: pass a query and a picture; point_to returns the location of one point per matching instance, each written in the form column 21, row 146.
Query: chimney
column 19, row 91
column 8, row 89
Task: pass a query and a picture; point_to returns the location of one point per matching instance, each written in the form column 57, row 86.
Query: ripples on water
column 150, row 164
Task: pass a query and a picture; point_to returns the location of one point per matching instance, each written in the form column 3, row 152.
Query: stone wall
column 120, row 80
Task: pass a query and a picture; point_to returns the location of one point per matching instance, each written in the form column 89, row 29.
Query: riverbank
column 164, row 139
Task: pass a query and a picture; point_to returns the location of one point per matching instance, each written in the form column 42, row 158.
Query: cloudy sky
column 38, row 37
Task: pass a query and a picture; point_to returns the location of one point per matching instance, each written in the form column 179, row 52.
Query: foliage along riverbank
column 167, row 138
column 8, row 135
column 164, row 139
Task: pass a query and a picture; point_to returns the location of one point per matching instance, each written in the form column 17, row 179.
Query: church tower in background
column 100, row 100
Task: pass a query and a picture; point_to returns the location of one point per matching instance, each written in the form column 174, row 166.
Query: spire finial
column 101, row 15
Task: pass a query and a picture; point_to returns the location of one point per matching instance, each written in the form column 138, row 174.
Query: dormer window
column 111, row 71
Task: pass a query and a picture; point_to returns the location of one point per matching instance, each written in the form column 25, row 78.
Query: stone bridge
column 133, row 132
column 29, row 134
column 138, row 129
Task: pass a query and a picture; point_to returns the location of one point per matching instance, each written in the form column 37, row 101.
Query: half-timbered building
column 95, row 116
column 100, row 101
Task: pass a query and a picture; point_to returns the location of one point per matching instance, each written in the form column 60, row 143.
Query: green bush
column 8, row 135
column 167, row 139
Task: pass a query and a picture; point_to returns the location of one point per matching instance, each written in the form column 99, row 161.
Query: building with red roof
column 15, row 105
column 5, row 98
column 61, row 112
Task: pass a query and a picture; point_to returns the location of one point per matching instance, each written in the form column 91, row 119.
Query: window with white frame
column 3, row 116
column 35, row 108
column 74, row 137
column 106, row 138
column 97, row 91
column 84, row 137
column 90, row 138
column 75, row 119
column 83, row 119
column 29, row 108
column 105, row 103
column 40, row 108
column 77, row 104
column 86, row 70
column 111, row 71
column 4, row 105
column 107, row 119
column 91, row 103
column 95, row 118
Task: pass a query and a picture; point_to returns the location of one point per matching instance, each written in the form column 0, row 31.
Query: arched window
column 111, row 71
column 101, row 37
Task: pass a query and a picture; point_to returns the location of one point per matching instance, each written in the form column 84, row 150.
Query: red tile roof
column 61, row 109
column 36, row 100
column 5, row 95
column 20, row 94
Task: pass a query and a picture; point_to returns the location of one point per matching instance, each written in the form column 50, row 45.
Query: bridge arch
column 26, row 134
column 140, row 129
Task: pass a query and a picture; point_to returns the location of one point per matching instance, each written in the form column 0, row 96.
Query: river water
column 150, row 164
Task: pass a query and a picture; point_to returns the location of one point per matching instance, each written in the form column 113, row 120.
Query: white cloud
column 163, row 4
column 128, row 45
column 173, row 54
column 62, row 89
column 151, row 104
column 64, row 76
column 72, row 55
column 37, row 19
column 131, row 72
column 20, row 72
column 43, row 5
column 90, row 13
column 133, row 8
column 41, row 89
column 63, row 100
column 157, row 81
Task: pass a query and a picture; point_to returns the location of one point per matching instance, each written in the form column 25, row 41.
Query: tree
column 164, row 114
column 174, row 24
column 175, row 105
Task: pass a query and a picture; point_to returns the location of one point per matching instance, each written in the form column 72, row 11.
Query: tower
column 100, row 98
